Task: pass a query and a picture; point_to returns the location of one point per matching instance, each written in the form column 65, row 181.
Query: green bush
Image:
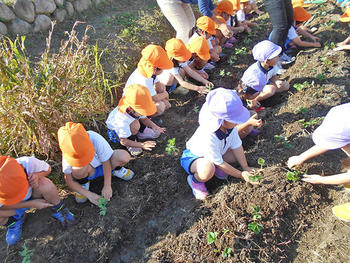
column 37, row 98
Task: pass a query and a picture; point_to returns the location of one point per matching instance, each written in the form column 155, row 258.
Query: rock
column 19, row 27
column 81, row 5
column 69, row 8
column 44, row 6
column 3, row 29
column 42, row 23
column 60, row 14
column 24, row 9
column 6, row 14
column 59, row 3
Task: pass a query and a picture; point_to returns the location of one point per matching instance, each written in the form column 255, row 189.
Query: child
column 300, row 16
column 260, row 81
column 333, row 133
column 129, row 120
column 216, row 143
column 206, row 28
column 86, row 155
column 345, row 45
column 24, row 185
column 241, row 17
column 251, row 6
column 200, row 55
column 180, row 55
column 154, row 59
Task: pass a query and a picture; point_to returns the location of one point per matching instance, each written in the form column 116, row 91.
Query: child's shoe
column 198, row 189
column 220, row 174
column 14, row 231
column 228, row 45
column 181, row 90
column 342, row 212
column 123, row 173
column 79, row 198
column 134, row 151
column 148, row 133
column 65, row 217
column 232, row 40
column 254, row 132
column 286, row 60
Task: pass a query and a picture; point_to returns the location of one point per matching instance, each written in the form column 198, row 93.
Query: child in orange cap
column 200, row 55
column 180, row 56
column 241, row 17
column 154, row 59
column 129, row 120
column 345, row 45
column 251, row 6
column 24, row 185
column 86, row 155
column 206, row 28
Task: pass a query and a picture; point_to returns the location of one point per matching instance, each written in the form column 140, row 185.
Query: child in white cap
column 334, row 133
column 216, row 142
column 260, row 81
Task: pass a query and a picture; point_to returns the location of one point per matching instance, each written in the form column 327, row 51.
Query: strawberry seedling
column 171, row 148
column 102, row 202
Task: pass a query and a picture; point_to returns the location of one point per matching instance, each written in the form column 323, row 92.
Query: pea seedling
column 171, row 148
column 102, row 202
column 284, row 141
column 212, row 237
column 26, row 254
column 293, row 176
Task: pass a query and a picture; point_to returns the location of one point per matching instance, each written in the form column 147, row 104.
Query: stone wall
column 27, row 16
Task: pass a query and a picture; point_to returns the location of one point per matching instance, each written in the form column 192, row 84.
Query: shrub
column 37, row 98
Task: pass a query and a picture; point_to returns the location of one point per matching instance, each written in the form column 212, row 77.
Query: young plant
column 255, row 178
column 226, row 253
column 26, row 254
column 311, row 123
column 242, row 50
column 247, row 41
column 232, row 60
column 171, row 148
column 301, row 86
column 293, row 175
column 209, row 86
column 280, row 138
column 195, row 108
column 256, row 213
column 261, row 162
column 301, row 109
column 223, row 73
column 326, row 61
column 102, row 202
column 255, row 227
column 212, row 237
column 320, row 76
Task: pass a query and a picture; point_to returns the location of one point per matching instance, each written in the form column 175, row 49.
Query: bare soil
column 155, row 218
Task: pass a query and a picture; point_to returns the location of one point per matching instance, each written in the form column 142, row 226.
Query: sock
column 82, row 180
column 10, row 221
column 57, row 208
column 142, row 127
column 195, row 180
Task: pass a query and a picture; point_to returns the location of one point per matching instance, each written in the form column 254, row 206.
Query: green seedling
column 26, row 254
column 301, row 86
column 232, row 60
column 255, row 227
column 102, row 202
column 212, row 237
column 242, row 50
column 301, row 109
column 209, row 86
column 261, row 162
column 195, row 108
column 293, row 176
column 256, row 213
column 326, row 61
column 284, row 141
column 304, row 66
column 311, row 123
column 171, row 148
column 320, row 76
column 226, row 253
column 223, row 73
column 255, row 178
column 247, row 41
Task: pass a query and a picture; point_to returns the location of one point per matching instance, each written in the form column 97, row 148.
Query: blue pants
column 187, row 159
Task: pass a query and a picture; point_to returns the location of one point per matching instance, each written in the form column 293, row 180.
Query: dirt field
column 155, row 218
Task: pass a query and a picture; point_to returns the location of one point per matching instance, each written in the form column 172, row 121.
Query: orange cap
column 153, row 57
column 299, row 3
column 13, row 181
column 207, row 24
column 221, row 19
column 75, row 144
column 225, row 6
column 200, row 46
column 346, row 16
column 300, row 14
column 139, row 98
column 176, row 48
column 236, row 5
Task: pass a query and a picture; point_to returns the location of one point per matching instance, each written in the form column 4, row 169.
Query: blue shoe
column 65, row 217
column 14, row 231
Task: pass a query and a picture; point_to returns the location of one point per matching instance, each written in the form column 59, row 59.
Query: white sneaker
column 134, row 151
column 79, row 198
column 148, row 133
column 285, row 59
column 123, row 173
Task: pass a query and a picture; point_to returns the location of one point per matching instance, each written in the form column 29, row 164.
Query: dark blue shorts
column 98, row 173
column 187, row 159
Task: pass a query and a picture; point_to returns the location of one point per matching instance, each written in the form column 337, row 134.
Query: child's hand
column 312, row 178
column 159, row 129
column 93, row 198
column 207, row 83
column 203, row 90
column 107, row 192
column 33, row 180
column 246, row 175
column 249, row 169
column 254, row 121
column 317, row 44
column 315, row 39
column 225, row 30
column 40, row 203
column 294, row 161
column 253, row 103
column 148, row 145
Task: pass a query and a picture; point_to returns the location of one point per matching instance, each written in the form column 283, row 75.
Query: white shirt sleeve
column 33, row 165
column 240, row 15
column 103, row 151
column 66, row 168
column 235, row 141
column 292, row 33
